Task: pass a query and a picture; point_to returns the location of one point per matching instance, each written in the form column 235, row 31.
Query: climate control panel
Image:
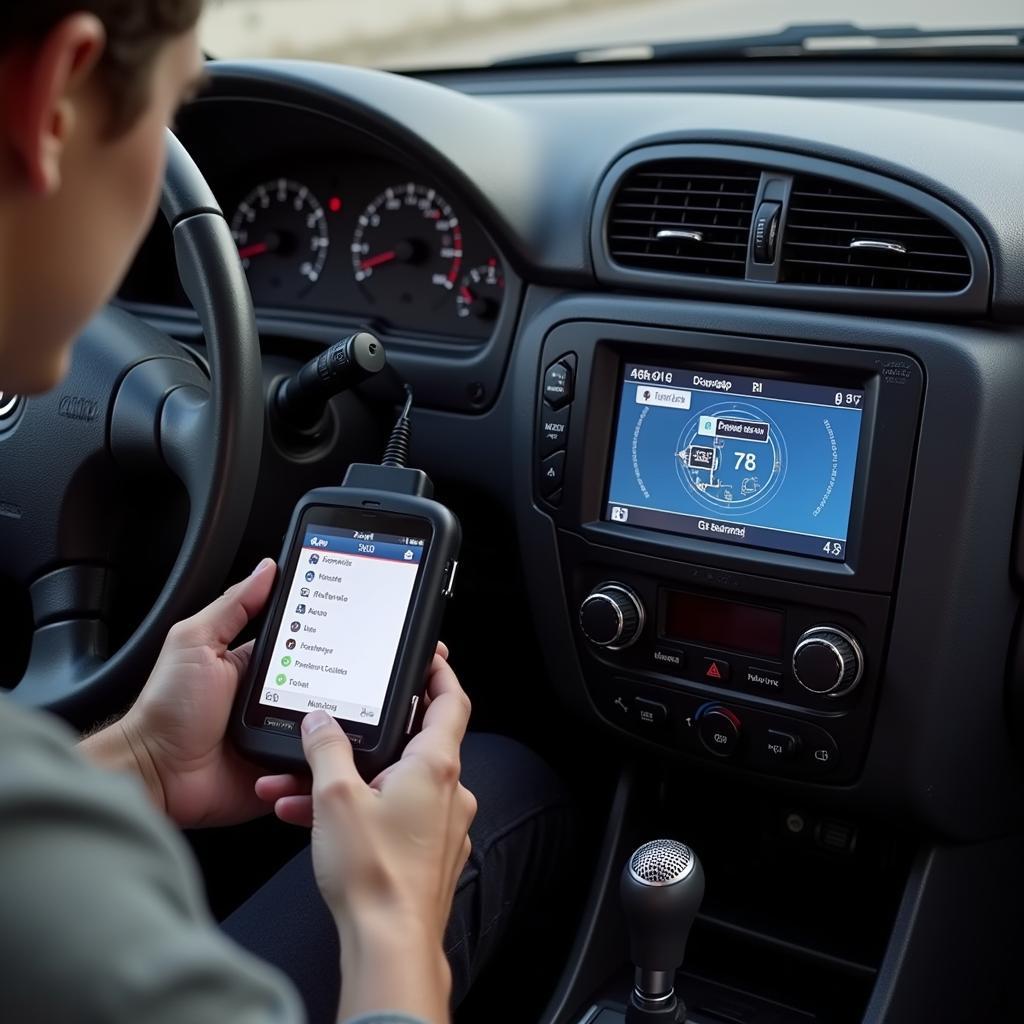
column 761, row 681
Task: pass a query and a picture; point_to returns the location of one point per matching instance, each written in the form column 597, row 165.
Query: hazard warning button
column 716, row 670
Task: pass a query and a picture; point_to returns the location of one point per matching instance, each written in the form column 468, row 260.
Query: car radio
column 728, row 530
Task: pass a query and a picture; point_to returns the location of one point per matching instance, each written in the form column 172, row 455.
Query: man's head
column 86, row 89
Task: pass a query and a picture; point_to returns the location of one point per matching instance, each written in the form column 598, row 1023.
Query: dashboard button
column 781, row 746
column 716, row 670
column 651, row 714
column 719, row 731
column 620, row 704
column 764, row 680
column 552, row 469
column 553, row 430
column 558, row 385
column 822, row 753
column 667, row 659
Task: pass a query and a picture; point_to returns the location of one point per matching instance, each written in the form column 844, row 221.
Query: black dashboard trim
column 889, row 79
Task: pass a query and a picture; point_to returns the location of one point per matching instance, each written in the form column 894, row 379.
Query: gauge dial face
column 407, row 249
column 283, row 240
column 481, row 292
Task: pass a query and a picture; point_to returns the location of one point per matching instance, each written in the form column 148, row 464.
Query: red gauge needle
column 466, row 294
column 257, row 249
column 375, row 261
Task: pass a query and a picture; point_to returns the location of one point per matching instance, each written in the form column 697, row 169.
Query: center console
column 729, row 514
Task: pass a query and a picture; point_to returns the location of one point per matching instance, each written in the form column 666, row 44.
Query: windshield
column 410, row 34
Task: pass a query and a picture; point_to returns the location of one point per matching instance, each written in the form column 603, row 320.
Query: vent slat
column 868, row 266
column 686, row 191
column 833, row 249
column 713, row 197
column 670, row 256
column 670, row 207
column 673, row 223
column 715, row 176
column 616, row 237
column 826, row 216
column 815, row 211
column 656, row 226
column 903, row 234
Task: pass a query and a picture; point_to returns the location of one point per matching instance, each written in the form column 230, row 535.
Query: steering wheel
column 134, row 403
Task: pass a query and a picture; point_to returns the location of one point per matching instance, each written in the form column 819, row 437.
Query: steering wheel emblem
column 10, row 406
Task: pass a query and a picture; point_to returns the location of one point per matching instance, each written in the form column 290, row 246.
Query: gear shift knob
column 662, row 887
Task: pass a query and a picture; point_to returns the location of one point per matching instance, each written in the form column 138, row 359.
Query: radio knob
column 828, row 662
column 612, row 616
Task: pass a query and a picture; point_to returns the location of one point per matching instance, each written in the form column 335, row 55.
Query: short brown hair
column 136, row 30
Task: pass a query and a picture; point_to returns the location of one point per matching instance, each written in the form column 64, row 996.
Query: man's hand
column 174, row 736
column 388, row 855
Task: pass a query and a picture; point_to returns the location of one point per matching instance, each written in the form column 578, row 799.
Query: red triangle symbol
column 712, row 672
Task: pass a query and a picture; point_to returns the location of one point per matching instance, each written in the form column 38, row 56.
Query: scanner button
column 413, row 708
column 448, row 589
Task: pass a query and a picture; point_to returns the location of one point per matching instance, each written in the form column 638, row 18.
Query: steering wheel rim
column 161, row 413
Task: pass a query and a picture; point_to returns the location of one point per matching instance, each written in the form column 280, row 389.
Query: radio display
column 739, row 627
column 762, row 462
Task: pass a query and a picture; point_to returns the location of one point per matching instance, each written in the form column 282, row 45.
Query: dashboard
column 331, row 226
column 740, row 362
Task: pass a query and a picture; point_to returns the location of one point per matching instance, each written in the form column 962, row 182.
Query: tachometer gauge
column 407, row 248
column 481, row 292
column 282, row 237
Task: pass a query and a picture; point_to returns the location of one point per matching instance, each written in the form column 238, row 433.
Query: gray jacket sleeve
column 102, row 914
column 385, row 1018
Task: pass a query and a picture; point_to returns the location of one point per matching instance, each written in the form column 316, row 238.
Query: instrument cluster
column 366, row 241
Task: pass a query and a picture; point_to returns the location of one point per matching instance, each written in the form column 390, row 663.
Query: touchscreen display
column 767, row 463
column 343, row 618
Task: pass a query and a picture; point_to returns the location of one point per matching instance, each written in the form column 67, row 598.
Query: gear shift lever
column 662, row 887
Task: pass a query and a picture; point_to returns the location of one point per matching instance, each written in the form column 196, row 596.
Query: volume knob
column 612, row 616
column 828, row 662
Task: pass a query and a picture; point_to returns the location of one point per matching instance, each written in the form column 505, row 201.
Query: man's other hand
column 175, row 733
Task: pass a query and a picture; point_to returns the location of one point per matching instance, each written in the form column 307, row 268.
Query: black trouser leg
column 519, row 836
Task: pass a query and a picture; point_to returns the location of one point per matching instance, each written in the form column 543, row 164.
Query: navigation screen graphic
column 763, row 462
column 343, row 620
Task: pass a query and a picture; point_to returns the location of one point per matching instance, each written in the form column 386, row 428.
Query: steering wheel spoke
column 70, row 606
column 185, row 428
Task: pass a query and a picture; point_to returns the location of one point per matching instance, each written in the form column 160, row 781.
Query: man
column 101, row 910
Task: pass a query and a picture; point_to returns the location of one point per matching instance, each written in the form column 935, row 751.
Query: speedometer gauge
column 282, row 238
column 407, row 248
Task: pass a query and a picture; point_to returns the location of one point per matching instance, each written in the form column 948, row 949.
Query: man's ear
column 46, row 83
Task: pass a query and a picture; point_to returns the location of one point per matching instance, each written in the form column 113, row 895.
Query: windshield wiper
column 830, row 39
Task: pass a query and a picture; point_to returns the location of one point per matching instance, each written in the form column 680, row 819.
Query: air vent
column 684, row 217
column 843, row 236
